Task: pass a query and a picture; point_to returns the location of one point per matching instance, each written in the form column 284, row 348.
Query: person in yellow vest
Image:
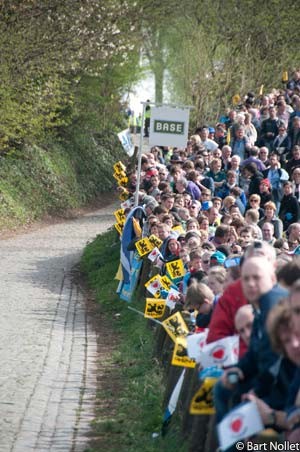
column 147, row 119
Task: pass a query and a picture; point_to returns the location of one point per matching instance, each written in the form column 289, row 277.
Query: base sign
column 169, row 126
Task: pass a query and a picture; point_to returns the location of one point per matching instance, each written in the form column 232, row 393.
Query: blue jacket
column 260, row 357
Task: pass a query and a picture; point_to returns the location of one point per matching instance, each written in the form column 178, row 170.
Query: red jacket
column 222, row 321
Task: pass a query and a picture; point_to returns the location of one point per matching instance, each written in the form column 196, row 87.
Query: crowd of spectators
column 228, row 205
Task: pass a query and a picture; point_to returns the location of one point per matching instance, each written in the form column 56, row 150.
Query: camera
column 233, row 377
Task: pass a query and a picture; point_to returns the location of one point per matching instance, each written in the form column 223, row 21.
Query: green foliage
column 136, row 411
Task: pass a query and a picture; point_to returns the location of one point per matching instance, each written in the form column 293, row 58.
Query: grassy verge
column 137, row 404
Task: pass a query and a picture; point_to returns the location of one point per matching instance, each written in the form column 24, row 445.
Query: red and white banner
column 222, row 353
column 242, row 422
column 195, row 344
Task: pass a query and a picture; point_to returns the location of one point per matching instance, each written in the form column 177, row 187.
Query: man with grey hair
column 184, row 186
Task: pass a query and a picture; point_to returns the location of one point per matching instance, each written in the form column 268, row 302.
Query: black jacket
column 289, row 211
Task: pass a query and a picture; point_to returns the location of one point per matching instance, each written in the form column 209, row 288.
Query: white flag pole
column 136, row 198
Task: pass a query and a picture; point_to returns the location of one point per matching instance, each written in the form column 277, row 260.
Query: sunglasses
column 206, row 262
column 253, row 200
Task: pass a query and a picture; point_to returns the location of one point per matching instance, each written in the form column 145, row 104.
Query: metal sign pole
column 136, row 198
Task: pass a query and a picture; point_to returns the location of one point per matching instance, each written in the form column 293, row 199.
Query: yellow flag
column 178, row 229
column 155, row 308
column 143, row 246
column 119, row 167
column 156, row 242
column 119, row 176
column 202, row 402
column 285, row 76
column 261, row 90
column 180, row 356
column 123, row 181
column 236, row 99
column 228, row 138
column 175, row 326
column 124, row 195
column 175, row 269
column 119, row 228
column 154, row 286
column 120, row 216
column 137, row 227
column 166, row 282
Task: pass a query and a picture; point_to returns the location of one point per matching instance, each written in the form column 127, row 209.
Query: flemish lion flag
column 156, row 242
column 119, row 167
column 120, row 216
column 143, row 246
column 175, row 269
column 180, row 356
column 175, row 326
column 154, row 308
column 202, row 402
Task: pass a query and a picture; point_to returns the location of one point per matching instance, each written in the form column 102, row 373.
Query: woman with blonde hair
column 271, row 217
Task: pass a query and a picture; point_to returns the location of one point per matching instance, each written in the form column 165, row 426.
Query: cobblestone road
column 47, row 345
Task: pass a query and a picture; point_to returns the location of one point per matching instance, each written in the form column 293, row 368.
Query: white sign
column 223, row 353
column 242, row 422
column 126, row 142
column 169, row 126
column 195, row 344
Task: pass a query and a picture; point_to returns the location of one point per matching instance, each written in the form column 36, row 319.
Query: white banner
column 169, row 126
column 195, row 344
column 242, row 422
column 223, row 353
column 126, row 142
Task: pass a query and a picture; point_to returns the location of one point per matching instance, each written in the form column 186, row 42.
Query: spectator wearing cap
column 265, row 192
column 211, row 133
column 217, row 258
